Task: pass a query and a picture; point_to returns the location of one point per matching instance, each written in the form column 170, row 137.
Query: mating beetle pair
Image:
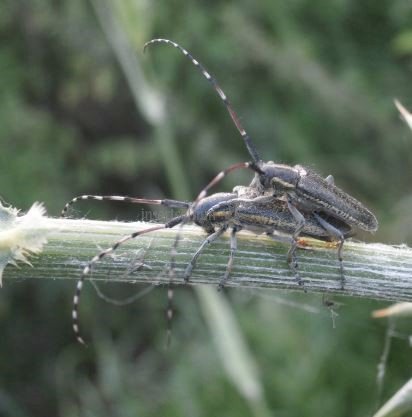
column 302, row 189
column 293, row 200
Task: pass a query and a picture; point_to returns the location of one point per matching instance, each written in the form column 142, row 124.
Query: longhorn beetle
column 303, row 189
column 216, row 214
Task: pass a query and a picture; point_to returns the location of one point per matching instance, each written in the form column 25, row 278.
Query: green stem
column 371, row 270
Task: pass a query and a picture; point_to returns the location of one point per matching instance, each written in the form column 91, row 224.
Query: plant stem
column 371, row 270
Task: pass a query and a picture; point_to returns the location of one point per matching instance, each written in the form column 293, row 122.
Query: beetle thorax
column 199, row 214
column 278, row 176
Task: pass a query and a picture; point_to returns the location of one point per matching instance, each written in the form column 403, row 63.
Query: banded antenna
column 236, row 120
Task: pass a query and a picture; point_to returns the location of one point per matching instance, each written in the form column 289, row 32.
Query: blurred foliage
column 314, row 83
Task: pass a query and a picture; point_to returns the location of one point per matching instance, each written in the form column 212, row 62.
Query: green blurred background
column 84, row 111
